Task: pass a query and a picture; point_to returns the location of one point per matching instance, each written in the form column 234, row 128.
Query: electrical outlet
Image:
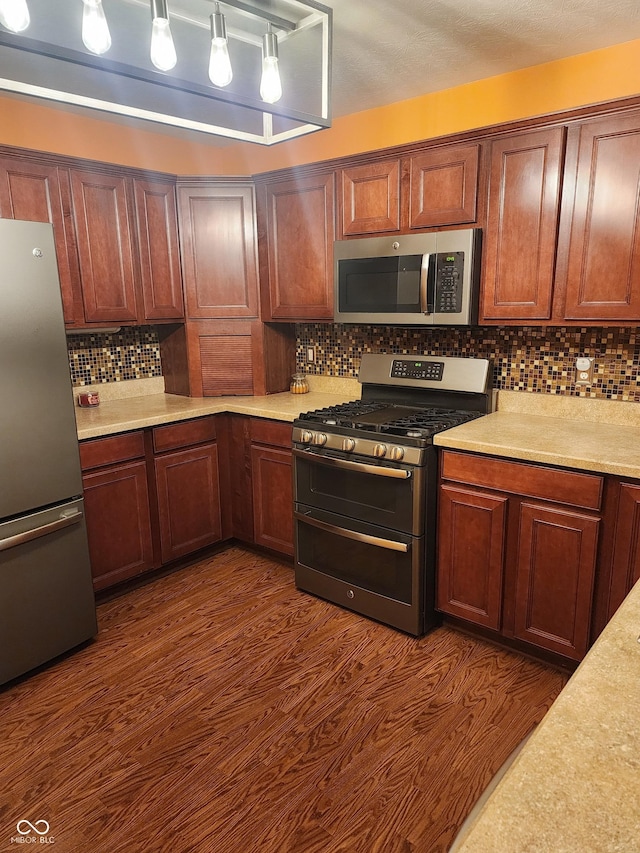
column 584, row 371
column 311, row 355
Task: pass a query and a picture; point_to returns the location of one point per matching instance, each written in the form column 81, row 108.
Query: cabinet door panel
column 444, row 186
column 520, row 240
column 626, row 554
column 555, row 574
column 31, row 192
column 218, row 251
column 104, row 247
column 271, row 471
column 370, row 199
column 157, row 224
column 603, row 277
column 472, row 529
column 300, row 232
column 188, row 500
column 118, row 523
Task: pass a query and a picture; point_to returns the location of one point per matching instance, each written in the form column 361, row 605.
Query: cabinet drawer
column 536, row 481
column 184, row 434
column 106, row 451
column 276, row 433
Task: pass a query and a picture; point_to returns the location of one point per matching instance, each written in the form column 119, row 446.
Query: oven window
column 372, row 498
column 371, row 567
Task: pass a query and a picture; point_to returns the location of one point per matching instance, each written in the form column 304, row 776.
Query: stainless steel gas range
column 365, row 478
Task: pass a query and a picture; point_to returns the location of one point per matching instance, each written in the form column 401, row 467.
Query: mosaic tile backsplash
column 131, row 353
column 525, row 358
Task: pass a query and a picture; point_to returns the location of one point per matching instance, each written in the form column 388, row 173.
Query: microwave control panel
column 449, row 277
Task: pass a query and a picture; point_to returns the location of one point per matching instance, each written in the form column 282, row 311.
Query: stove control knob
column 306, row 436
column 380, row 450
column 348, row 444
column 396, row 453
column 319, row 438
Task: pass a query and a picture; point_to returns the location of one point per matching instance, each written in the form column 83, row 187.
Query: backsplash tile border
column 100, row 357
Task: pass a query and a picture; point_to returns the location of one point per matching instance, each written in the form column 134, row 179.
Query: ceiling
column 390, row 50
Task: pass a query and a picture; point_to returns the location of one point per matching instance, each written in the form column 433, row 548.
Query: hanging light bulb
column 14, row 15
column 163, row 52
column 270, row 84
column 220, row 72
column 95, row 30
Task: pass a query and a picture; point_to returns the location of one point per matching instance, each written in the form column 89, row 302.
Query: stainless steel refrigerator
column 46, row 593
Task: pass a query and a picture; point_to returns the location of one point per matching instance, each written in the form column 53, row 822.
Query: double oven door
column 364, row 535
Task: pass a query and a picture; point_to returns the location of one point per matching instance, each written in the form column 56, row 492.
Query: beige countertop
column 574, row 788
column 124, row 413
column 592, row 435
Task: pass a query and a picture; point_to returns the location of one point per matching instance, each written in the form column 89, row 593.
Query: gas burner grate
column 426, row 423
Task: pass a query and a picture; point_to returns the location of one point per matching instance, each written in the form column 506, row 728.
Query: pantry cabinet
column 117, row 508
column 517, row 549
column 296, row 230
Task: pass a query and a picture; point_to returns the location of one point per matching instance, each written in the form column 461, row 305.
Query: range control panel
column 419, row 369
column 449, row 272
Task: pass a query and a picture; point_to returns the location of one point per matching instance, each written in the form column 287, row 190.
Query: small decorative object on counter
column 299, row 384
column 89, row 399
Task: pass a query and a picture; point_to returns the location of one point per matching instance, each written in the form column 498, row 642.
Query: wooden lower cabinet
column 272, row 485
column 188, row 493
column 157, row 495
column 117, row 510
column 517, row 550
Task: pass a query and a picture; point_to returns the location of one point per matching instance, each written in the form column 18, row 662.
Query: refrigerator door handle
column 66, row 519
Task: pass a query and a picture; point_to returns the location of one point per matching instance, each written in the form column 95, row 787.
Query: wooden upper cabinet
column 369, row 200
column 296, row 233
column 519, row 247
column 218, row 245
column 444, row 186
column 603, row 209
column 31, row 191
column 105, row 250
column 157, row 233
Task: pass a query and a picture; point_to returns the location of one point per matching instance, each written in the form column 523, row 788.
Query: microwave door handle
column 424, row 283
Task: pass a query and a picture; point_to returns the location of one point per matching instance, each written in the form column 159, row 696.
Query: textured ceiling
column 389, row 50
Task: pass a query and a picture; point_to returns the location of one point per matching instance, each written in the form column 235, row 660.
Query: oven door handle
column 332, row 462
column 389, row 544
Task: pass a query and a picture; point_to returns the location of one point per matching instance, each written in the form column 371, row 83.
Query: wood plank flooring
column 222, row 711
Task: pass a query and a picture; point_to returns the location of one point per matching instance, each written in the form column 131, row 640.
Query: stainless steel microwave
column 409, row 280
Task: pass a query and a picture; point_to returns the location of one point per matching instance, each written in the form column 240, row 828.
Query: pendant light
column 220, row 72
column 14, row 15
column 163, row 52
column 95, row 30
column 270, row 84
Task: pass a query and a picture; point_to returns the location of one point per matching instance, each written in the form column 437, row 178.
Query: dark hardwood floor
column 221, row 711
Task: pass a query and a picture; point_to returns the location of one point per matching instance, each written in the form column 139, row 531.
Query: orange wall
column 601, row 75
